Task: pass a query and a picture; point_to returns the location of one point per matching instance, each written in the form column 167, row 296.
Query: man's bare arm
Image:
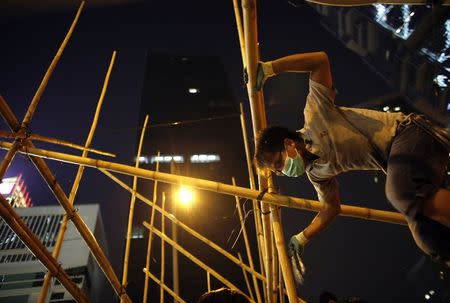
column 316, row 63
column 329, row 211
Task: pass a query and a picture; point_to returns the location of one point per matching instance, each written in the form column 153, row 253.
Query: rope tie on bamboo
column 259, row 199
column 72, row 214
column 122, row 291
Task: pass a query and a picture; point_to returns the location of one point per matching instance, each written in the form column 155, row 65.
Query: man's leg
column 438, row 207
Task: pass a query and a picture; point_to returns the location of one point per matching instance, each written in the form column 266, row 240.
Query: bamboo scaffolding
column 186, row 228
column 247, row 244
column 157, row 281
column 237, row 15
column 163, row 251
column 247, row 282
column 38, row 249
column 256, row 210
column 46, row 285
column 195, row 259
column 9, row 117
column 275, row 263
column 149, row 244
column 131, row 212
column 270, row 198
column 6, row 134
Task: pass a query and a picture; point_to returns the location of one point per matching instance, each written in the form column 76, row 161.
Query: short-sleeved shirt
column 339, row 136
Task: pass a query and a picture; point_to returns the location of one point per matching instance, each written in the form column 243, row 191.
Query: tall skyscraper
column 194, row 124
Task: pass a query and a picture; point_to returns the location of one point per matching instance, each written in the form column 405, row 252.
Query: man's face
column 277, row 160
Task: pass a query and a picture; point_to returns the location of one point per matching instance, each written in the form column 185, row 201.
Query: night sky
column 352, row 258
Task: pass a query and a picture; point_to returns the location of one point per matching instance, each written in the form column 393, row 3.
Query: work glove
column 264, row 70
column 295, row 250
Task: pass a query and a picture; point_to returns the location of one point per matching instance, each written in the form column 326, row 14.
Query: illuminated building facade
column 15, row 191
column 21, row 273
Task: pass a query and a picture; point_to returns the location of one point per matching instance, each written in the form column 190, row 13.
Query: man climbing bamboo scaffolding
column 408, row 148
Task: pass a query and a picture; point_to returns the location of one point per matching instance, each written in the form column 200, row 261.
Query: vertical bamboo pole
column 149, row 244
column 237, row 14
column 131, row 213
column 163, row 259
column 250, row 292
column 256, row 210
column 56, row 250
column 275, row 265
column 208, row 280
column 280, row 285
column 247, row 244
column 259, row 122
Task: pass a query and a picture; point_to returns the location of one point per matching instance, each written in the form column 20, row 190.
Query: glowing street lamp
column 185, row 195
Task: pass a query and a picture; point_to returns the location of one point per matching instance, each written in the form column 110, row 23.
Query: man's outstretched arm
column 316, row 63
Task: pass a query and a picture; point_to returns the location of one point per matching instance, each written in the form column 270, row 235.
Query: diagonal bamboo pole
column 32, row 107
column 43, row 85
column 149, row 244
column 163, row 251
column 247, row 244
column 131, row 212
column 8, row 115
column 256, row 210
column 46, row 285
column 38, row 249
column 157, row 281
column 247, row 282
column 195, row 259
column 185, row 227
column 270, row 198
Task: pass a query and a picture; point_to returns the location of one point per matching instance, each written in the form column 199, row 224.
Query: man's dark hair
column 326, row 296
column 223, row 295
column 271, row 140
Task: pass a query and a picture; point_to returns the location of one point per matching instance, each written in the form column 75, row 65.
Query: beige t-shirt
column 340, row 146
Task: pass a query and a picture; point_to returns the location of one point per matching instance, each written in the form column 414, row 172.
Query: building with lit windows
column 22, row 275
column 15, row 191
column 194, row 124
column 406, row 45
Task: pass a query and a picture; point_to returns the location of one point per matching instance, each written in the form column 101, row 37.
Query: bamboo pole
column 131, row 212
column 208, row 280
column 149, row 244
column 270, row 198
column 275, row 263
column 280, row 285
column 9, row 116
column 11, row 135
column 247, row 244
column 195, row 260
column 157, row 281
column 237, row 15
column 43, row 85
column 258, row 120
column 256, row 209
column 47, row 280
column 38, row 249
column 163, row 252
column 186, row 228
column 247, row 282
